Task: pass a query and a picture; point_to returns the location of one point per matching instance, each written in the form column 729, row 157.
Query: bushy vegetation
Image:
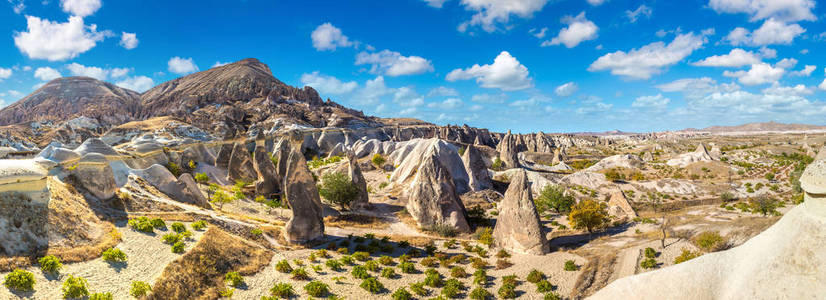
column 338, row 188
column 199, row 225
column 283, row 266
column 359, row 272
column 407, row 267
column 543, row 286
column 101, row 296
column 554, row 197
column 480, row 293
column 319, row 162
column 497, row 165
column 20, row 280
column 178, row 247
column 317, row 288
column 173, row 168
column 480, row 277
column 401, row 294
column 114, row 255
column 50, row 264
column 507, row 291
column 570, row 265
column 372, row 285
column 650, row 253
column 201, row 178
column 444, row 230
column 685, row 255
column 485, row 236
column 458, row 272
column 418, row 288
column 333, row 264
column 452, row 288
column 535, row 276
column 141, row 224
column 386, row 260
column 648, row 263
column 388, row 272
column 433, row 278
column 178, row 227
column 709, row 241
column 139, row 289
column 588, row 214
column 300, row 274
column 378, row 160
column 234, row 279
column 282, row 290
column 74, row 287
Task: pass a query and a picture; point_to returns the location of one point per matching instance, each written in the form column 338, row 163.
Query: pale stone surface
column 240, row 165
column 518, row 227
column 479, row 178
column 96, row 176
column 433, row 199
column 306, row 223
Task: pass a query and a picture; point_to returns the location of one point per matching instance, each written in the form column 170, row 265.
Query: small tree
column 220, row 198
column 378, row 160
column 338, row 189
column 614, row 175
column 769, row 176
column 497, row 164
column 553, row 196
column 588, row 214
column 201, row 178
column 763, row 205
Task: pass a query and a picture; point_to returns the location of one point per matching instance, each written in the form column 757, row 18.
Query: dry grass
column 199, row 273
column 418, row 241
column 88, row 252
column 595, row 275
column 356, row 221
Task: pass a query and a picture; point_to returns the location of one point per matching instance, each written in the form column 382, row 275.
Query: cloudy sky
column 526, row 65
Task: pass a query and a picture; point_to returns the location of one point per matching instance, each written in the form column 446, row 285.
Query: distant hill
column 757, row 127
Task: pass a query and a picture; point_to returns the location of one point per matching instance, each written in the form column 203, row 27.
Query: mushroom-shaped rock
column 479, row 178
column 786, row 261
column 433, row 199
column 240, row 165
column 95, row 175
column 306, row 223
column 518, row 227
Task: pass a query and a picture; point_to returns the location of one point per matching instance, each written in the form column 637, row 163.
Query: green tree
column 588, row 214
column 338, row 189
column 553, row 196
column 220, row 197
column 378, row 160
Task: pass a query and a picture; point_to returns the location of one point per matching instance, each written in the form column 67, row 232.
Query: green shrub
column 199, row 225
column 433, row 278
column 686, row 255
column 178, row 227
column 50, row 264
column 480, row 277
column 282, row 290
column 317, row 288
column 141, row 224
column 485, row 236
column 173, row 168
column 503, row 254
column 407, row 267
column 20, row 280
column 418, row 288
column 650, row 252
column 554, row 197
column 114, row 255
column 535, row 276
column 372, row 266
column 372, row 285
column 709, row 241
column 158, row 223
column 428, row 262
column 333, row 264
column 283, row 266
column 386, row 260
column 497, row 164
column 544, row 286
column 139, row 289
column 178, row 247
column 452, row 288
column 570, row 265
column 101, row 296
column 201, row 178
column 458, row 272
column 401, row 294
column 171, row 238
column 510, row 279
column 362, row 256
column 344, row 250
column 234, row 279
column 300, row 274
column 442, row 229
column 480, row 293
column 388, row 272
column 507, row 291
column 378, row 160
column 74, row 287
column 478, row 263
column 648, row 263
column 359, row 272
column 226, row 293
column 552, row 296
column 338, row 188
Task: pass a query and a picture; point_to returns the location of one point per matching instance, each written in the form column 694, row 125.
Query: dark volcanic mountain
column 71, row 97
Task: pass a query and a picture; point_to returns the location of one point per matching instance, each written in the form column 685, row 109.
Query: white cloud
column 55, row 41
column 697, row 87
column 766, row 52
column 786, row 63
column 435, row 3
column 136, row 83
column 658, row 101
column 180, row 65
column 46, row 73
column 489, row 98
column 735, row 58
column 392, row 63
column 407, row 96
column 650, row 59
column 450, row 103
column 772, row 32
column 490, row 13
column 596, row 2
column 218, row 64
column 80, row 8
column 128, row 40
column 506, row 73
column 797, row 90
column 539, row 33
column 327, row 84
column 328, row 37
column 642, row 10
column 592, row 108
column 579, row 29
column 408, row 111
column 784, row 10
column 442, row 91
column 476, row 107
column 567, row 89
column 80, row 70
column 18, row 6
column 740, row 104
column 807, row 70
column 373, row 90
column 758, row 74
column 822, row 85
column 5, row 73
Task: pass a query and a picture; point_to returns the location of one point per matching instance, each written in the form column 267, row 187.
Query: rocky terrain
column 229, row 183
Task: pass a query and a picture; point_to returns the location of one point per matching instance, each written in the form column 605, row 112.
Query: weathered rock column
column 306, row 223
column 518, row 227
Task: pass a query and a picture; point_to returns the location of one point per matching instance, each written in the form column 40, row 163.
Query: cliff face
column 71, row 97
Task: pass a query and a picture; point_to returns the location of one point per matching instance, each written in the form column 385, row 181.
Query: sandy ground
column 147, row 256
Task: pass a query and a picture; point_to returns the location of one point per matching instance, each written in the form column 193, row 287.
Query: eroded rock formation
column 433, row 199
column 306, row 223
column 518, row 227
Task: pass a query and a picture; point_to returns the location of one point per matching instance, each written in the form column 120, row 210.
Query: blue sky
column 525, row 65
